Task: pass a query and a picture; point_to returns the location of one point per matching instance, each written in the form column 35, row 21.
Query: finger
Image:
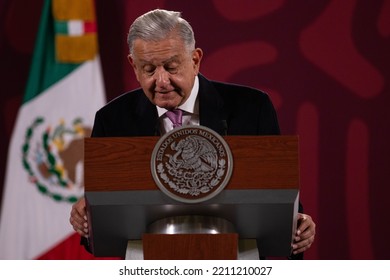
column 81, row 232
column 301, row 250
column 80, row 228
column 79, row 211
column 302, row 246
column 82, row 225
column 304, row 223
column 306, row 227
column 78, row 221
column 79, row 207
column 307, row 235
column 304, row 242
column 78, row 214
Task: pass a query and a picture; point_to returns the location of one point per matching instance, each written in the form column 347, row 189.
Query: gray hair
column 156, row 25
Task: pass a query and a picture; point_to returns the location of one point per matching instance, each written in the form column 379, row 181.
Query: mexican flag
column 44, row 174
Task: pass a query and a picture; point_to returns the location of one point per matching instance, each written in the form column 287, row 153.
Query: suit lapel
column 146, row 117
column 211, row 106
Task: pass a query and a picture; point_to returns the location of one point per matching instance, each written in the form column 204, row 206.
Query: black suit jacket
column 228, row 109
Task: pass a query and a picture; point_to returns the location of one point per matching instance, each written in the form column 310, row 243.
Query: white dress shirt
column 190, row 110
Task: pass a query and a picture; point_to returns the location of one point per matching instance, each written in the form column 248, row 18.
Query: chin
column 168, row 107
column 167, row 104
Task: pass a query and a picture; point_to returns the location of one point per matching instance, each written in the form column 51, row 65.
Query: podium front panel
column 266, row 215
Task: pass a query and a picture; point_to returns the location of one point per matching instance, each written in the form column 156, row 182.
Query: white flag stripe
column 75, row 27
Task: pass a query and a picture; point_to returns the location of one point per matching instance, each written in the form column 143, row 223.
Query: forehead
column 158, row 51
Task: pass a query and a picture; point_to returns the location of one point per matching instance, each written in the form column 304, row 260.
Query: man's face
column 165, row 70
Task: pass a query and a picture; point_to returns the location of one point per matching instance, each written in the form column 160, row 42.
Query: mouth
column 167, row 99
column 167, row 93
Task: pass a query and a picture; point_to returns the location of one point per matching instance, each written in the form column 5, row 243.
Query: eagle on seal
column 194, row 153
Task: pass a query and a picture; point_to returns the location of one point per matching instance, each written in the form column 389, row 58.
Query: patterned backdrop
column 325, row 64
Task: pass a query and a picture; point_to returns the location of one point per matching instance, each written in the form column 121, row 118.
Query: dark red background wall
column 325, row 65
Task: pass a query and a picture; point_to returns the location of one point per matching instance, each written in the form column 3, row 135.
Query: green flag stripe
column 45, row 71
column 61, row 27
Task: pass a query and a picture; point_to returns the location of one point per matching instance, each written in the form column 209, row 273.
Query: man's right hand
column 78, row 218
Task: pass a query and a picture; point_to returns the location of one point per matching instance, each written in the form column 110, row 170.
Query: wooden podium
column 261, row 199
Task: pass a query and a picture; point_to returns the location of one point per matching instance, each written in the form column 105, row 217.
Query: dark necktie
column 175, row 116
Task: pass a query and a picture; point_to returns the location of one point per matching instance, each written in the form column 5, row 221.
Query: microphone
column 225, row 127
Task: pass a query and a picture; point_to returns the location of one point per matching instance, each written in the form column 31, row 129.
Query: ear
column 197, row 55
column 131, row 61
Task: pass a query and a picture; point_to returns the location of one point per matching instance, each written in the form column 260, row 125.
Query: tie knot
column 175, row 116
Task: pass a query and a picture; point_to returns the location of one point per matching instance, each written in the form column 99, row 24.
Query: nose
column 162, row 77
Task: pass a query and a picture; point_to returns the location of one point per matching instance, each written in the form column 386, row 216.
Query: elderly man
column 166, row 63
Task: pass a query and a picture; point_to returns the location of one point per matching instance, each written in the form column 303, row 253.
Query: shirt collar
column 189, row 105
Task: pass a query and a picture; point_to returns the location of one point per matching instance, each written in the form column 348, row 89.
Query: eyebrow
column 171, row 59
